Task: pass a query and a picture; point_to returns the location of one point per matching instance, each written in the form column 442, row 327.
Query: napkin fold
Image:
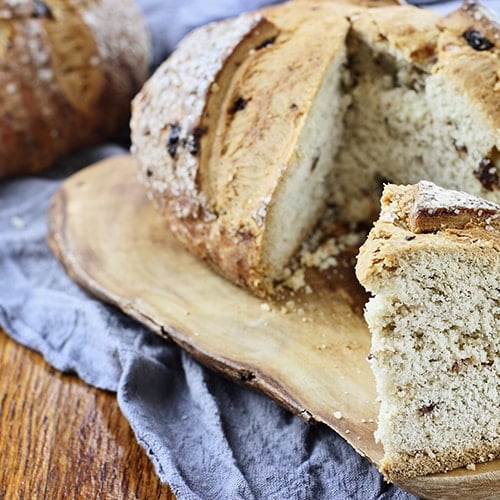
column 207, row 437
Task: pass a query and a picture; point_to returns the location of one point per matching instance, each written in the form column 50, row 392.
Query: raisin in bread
column 432, row 263
column 256, row 123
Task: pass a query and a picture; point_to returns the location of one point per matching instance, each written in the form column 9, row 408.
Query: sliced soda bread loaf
column 256, row 123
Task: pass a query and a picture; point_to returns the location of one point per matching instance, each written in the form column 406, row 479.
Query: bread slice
column 432, row 263
column 256, row 123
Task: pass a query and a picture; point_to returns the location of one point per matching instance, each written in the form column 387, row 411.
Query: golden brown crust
column 183, row 119
column 215, row 176
column 427, row 208
column 67, row 76
column 389, row 244
column 170, row 132
column 219, row 212
column 407, row 225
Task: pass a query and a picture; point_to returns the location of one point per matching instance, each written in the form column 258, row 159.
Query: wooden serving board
column 312, row 360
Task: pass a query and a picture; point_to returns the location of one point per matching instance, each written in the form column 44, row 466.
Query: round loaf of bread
column 68, row 71
column 256, row 123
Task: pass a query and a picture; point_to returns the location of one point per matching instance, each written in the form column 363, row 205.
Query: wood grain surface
column 60, row 438
column 311, row 359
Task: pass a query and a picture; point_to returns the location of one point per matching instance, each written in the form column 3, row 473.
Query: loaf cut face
column 416, row 111
column 432, row 263
column 255, row 124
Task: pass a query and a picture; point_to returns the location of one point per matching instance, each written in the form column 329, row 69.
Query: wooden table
column 60, row 438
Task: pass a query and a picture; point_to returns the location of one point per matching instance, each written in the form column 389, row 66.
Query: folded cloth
column 207, row 437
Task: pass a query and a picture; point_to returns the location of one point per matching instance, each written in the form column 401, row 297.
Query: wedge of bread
column 432, row 263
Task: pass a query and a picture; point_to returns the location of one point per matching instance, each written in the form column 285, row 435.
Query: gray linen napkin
column 207, row 437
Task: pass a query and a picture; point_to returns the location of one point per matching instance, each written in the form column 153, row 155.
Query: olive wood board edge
column 112, row 242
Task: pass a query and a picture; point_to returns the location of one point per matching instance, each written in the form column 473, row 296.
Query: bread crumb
column 337, row 415
column 470, row 466
column 327, row 247
column 297, row 280
column 265, row 306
